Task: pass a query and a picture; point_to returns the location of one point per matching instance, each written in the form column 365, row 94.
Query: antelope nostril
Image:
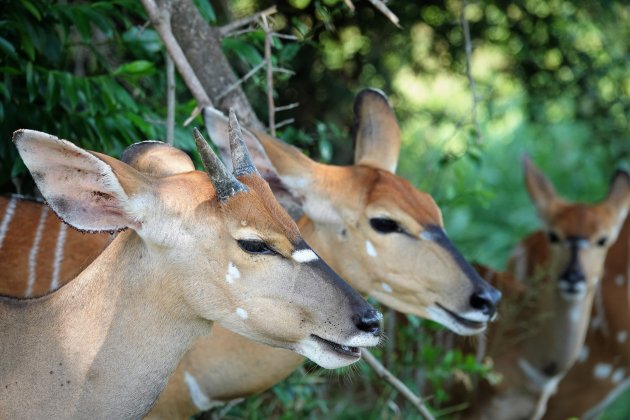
column 369, row 322
column 573, row 276
column 485, row 301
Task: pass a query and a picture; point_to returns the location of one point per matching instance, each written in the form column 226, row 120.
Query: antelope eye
column 253, row 246
column 384, row 225
column 602, row 241
column 553, row 237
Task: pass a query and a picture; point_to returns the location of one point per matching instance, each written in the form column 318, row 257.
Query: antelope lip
column 476, row 325
column 347, row 351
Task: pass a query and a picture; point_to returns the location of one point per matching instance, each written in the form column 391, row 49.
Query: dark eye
column 553, row 237
column 254, row 246
column 384, row 225
column 602, row 241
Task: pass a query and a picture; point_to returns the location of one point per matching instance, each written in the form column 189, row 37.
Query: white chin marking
column 369, row 248
column 304, row 256
column 475, row 316
column 438, row 315
column 232, row 273
column 325, row 358
column 387, row 288
column 602, row 370
column 242, row 313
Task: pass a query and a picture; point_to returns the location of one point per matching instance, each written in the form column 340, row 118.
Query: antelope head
column 383, row 235
column 212, row 245
column 578, row 234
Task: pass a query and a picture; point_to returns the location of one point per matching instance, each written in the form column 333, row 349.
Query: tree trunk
column 201, row 44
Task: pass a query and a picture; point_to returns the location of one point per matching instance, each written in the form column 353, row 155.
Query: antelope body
column 382, row 234
column 103, row 345
column 556, row 271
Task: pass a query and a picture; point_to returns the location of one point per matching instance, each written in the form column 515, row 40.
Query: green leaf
column 139, row 67
column 50, row 91
column 31, row 8
column 30, row 82
column 206, row 10
column 7, row 47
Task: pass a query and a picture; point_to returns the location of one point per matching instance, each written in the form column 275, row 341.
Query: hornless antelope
column 601, row 372
column 201, row 247
column 561, row 266
column 383, row 234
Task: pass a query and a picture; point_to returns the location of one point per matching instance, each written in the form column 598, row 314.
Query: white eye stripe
column 304, row 256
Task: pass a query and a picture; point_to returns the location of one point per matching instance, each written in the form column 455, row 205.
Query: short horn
column 241, row 159
column 225, row 184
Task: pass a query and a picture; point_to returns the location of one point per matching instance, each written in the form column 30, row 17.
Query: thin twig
column 285, row 122
column 350, row 5
column 195, row 112
column 396, row 383
column 287, row 107
column 242, row 79
column 241, row 32
column 170, row 100
column 385, row 10
column 471, row 80
column 268, row 59
column 162, row 22
column 230, row 27
column 285, row 36
column 283, row 70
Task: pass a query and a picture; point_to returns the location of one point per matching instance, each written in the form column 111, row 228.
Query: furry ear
column 376, row 131
column 89, row 191
column 541, row 190
column 157, row 159
column 619, row 194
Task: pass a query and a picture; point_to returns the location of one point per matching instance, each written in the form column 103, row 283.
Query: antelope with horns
column 104, row 345
column 558, row 270
column 601, row 372
column 383, row 234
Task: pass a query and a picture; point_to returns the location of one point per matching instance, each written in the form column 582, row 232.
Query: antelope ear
column 89, row 191
column 619, row 194
column 157, row 159
column 541, row 191
column 376, row 131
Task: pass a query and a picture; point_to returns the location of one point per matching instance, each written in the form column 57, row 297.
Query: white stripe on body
column 59, row 247
column 6, row 220
column 32, row 256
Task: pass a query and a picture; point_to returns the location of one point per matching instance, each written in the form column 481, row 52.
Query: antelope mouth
column 572, row 291
column 341, row 349
column 466, row 325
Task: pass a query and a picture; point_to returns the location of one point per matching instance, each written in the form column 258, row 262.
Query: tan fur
column 104, row 345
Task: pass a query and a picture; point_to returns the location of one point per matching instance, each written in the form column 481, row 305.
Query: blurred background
column 551, row 79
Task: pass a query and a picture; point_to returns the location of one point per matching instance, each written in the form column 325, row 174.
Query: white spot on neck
column 387, row 287
column 304, row 255
column 618, row 375
column 369, row 248
column 583, row 354
column 602, row 370
column 622, row 336
column 199, row 398
column 232, row 273
column 242, row 313
column 619, row 280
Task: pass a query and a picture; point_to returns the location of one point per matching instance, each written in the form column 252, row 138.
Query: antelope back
column 382, row 234
column 262, row 280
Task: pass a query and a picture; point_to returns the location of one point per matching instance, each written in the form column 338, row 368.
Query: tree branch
column 226, row 30
column 385, row 10
column 242, row 79
column 170, row 100
column 270, row 104
column 162, row 22
column 471, row 80
column 396, row 383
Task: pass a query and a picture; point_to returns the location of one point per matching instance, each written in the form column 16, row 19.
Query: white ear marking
column 369, row 248
column 242, row 313
column 304, row 256
column 232, row 273
column 59, row 248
